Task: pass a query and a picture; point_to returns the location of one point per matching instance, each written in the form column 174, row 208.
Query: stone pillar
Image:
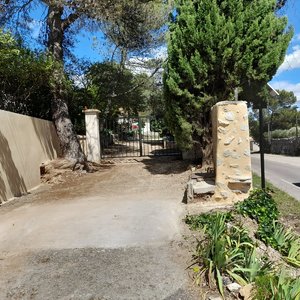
column 92, row 135
column 231, row 145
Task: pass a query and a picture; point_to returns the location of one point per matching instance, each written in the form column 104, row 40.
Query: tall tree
column 61, row 18
column 24, row 85
column 280, row 113
column 216, row 46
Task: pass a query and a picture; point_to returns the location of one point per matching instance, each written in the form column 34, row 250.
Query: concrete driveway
column 115, row 234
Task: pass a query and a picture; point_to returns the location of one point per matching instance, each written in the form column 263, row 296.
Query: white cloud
column 285, row 85
column 35, row 27
column 297, row 37
column 160, row 52
column 138, row 64
column 291, row 61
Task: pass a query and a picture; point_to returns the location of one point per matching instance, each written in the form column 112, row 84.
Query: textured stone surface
column 204, row 187
column 233, row 287
column 232, row 147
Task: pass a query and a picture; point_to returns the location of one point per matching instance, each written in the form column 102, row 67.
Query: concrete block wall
column 231, row 151
column 25, row 143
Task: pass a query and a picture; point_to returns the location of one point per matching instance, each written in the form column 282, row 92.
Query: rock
column 214, row 297
column 204, row 187
column 233, row 287
column 189, row 191
column 226, row 280
column 273, row 255
column 246, row 291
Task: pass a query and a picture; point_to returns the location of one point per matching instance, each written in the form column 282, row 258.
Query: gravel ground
column 114, row 234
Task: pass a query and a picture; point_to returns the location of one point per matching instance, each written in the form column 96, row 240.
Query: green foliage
column 202, row 221
column 287, row 205
column 293, row 255
column 113, row 87
column 252, row 268
column 222, row 251
column 279, row 116
column 287, row 133
column 277, row 287
column 282, row 238
column 215, row 47
column 259, row 206
column 24, row 79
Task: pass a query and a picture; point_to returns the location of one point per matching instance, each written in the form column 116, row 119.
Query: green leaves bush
column 259, row 206
column 228, row 250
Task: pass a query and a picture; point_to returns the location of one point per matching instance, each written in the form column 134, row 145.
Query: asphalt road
column 282, row 171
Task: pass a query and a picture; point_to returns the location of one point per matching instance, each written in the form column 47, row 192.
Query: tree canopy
column 61, row 20
column 280, row 114
column 24, row 84
column 215, row 47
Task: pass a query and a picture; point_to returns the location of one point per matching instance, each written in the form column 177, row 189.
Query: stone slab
column 204, row 187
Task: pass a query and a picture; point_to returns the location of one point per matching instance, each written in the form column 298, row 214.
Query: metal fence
column 136, row 136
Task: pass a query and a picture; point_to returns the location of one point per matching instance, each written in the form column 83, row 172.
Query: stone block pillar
column 231, row 145
column 92, row 135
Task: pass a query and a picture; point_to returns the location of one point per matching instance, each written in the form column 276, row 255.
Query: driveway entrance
column 115, row 234
column 136, row 136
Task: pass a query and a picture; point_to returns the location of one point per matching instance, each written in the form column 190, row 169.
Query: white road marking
column 290, row 183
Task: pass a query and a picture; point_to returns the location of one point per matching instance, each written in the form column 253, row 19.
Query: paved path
column 282, row 171
column 109, row 235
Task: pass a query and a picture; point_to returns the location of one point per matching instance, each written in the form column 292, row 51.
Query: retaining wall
column 25, row 143
column 286, row 146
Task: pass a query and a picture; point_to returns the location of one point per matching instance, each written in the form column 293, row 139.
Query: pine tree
column 214, row 47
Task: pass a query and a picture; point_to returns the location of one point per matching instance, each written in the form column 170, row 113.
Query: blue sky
column 93, row 47
column 288, row 75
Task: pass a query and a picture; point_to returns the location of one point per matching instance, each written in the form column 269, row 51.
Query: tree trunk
column 70, row 146
column 206, row 141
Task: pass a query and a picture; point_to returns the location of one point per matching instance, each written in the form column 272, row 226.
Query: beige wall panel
column 25, row 143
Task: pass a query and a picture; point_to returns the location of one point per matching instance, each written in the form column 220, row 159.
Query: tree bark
column 206, row 140
column 70, row 146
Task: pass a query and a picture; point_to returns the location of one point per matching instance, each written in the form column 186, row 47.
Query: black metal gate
column 136, row 136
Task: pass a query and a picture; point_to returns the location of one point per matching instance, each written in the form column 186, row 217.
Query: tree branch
column 70, row 20
column 139, row 84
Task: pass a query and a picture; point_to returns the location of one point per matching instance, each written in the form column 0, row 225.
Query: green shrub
column 259, row 206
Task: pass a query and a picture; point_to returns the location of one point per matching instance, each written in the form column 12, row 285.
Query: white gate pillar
column 92, row 135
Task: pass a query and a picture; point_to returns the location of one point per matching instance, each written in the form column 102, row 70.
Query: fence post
column 140, row 137
column 92, row 135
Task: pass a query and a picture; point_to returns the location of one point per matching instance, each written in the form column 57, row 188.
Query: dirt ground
column 114, row 234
